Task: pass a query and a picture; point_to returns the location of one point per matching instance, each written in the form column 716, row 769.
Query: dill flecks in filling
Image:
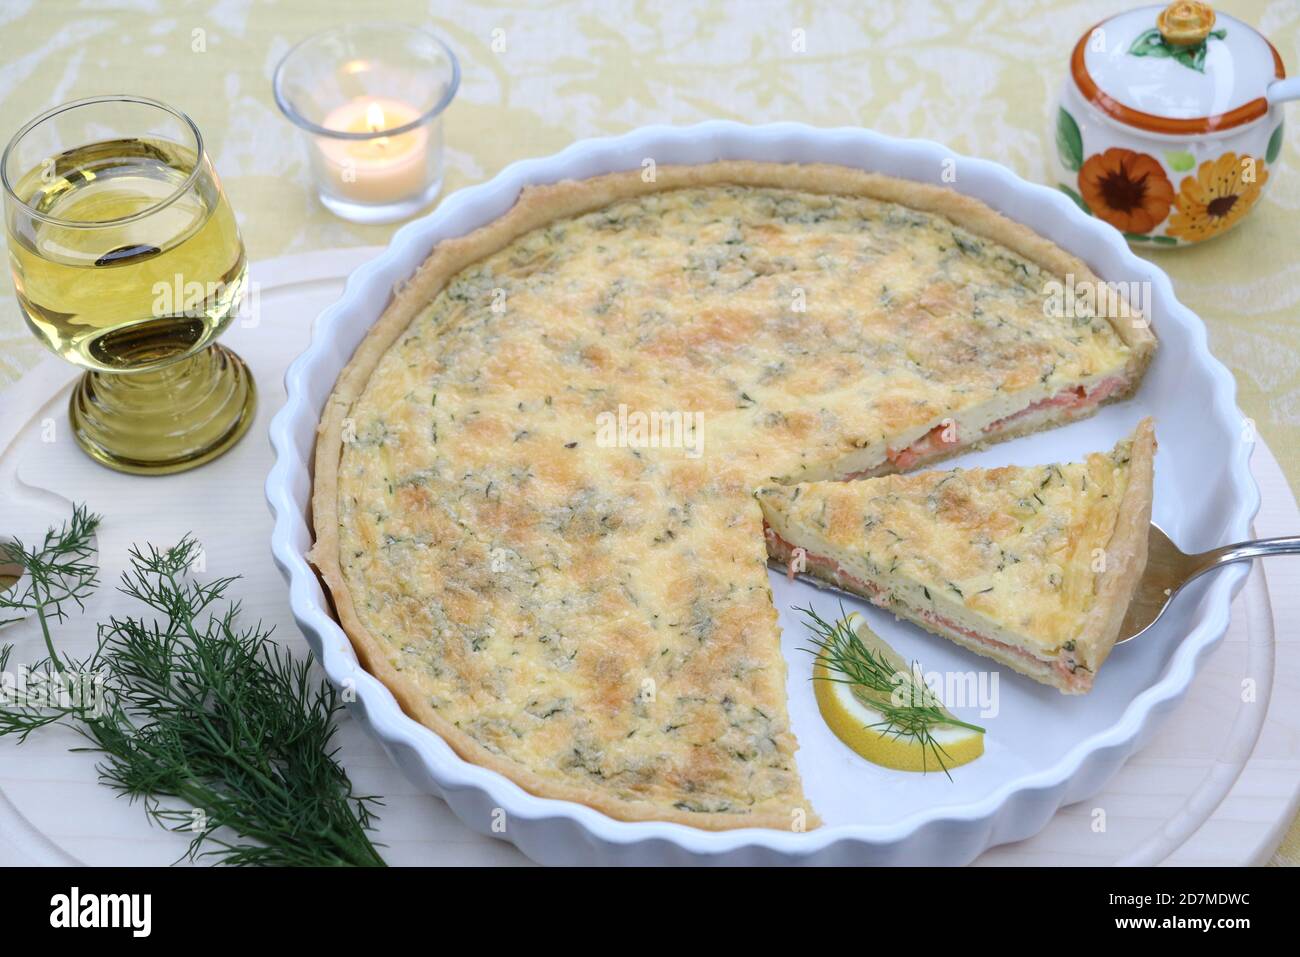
column 601, row 615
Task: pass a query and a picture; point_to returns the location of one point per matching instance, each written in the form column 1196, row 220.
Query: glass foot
column 167, row 420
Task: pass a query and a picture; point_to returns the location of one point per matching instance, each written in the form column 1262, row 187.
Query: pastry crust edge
column 536, row 206
column 1126, row 554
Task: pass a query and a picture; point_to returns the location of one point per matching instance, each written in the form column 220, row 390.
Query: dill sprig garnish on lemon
column 880, row 707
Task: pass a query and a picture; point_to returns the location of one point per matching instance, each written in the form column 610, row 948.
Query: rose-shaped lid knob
column 1180, row 68
column 1185, row 23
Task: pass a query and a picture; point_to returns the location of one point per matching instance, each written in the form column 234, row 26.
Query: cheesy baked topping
column 1013, row 560
column 587, row 610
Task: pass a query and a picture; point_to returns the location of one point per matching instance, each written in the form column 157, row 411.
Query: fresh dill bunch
column 190, row 708
column 907, row 705
column 59, row 572
column 221, row 718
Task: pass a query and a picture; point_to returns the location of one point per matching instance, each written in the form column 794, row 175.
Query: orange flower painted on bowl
column 1211, row 202
column 1129, row 190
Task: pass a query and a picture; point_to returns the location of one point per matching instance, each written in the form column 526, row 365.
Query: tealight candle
column 370, row 100
column 380, row 169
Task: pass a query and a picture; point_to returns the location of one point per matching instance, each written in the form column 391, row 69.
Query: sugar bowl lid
column 1179, row 69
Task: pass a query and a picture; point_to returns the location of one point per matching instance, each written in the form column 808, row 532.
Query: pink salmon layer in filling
column 942, row 438
column 832, row 570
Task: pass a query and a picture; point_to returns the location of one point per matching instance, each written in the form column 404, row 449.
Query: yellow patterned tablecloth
column 977, row 76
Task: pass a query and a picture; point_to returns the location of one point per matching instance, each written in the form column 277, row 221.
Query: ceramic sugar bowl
column 1170, row 122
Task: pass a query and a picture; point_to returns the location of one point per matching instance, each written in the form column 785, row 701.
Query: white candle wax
column 378, row 170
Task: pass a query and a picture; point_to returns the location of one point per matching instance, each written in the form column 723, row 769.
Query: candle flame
column 375, row 117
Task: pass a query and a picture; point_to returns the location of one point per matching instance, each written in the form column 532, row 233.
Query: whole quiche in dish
column 586, row 609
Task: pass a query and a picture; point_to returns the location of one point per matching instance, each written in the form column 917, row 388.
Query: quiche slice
column 586, row 609
column 1032, row 566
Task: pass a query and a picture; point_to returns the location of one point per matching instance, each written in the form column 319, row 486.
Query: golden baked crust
column 1032, row 566
column 594, row 620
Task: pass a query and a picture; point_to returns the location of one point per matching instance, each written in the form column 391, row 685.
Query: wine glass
column 127, row 261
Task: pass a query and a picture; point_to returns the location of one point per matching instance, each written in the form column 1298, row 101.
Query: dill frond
column 217, row 730
column 907, row 706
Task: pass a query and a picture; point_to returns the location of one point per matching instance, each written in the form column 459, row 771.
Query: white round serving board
column 1219, row 783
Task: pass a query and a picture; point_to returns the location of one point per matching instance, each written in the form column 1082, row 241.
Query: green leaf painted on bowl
column 1274, row 145
column 1151, row 43
column 1180, row 161
column 1143, row 238
column 1078, row 200
column 1069, row 142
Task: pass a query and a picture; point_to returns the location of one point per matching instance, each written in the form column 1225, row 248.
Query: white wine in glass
column 127, row 260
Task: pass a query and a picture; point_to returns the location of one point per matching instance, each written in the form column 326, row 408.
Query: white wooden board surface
column 1219, row 783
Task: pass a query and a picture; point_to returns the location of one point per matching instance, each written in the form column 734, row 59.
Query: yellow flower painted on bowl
column 1222, row 191
column 1129, row 190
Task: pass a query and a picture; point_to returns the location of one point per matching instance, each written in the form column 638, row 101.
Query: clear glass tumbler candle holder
column 369, row 100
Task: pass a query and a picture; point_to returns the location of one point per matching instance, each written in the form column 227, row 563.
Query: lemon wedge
column 855, row 715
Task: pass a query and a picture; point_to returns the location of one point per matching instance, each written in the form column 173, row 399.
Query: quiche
column 587, row 609
column 1033, row 567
